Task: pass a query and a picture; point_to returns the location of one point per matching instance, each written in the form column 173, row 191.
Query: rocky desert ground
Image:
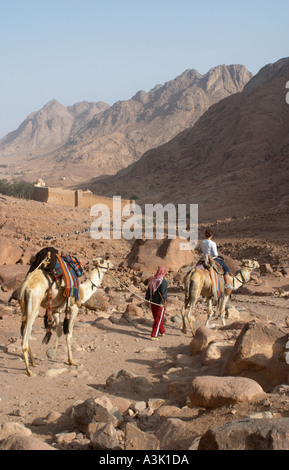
column 176, row 393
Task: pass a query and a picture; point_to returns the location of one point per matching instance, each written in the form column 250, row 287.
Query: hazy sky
column 107, row 50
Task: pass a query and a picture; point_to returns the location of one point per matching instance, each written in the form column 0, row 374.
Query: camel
column 33, row 294
column 199, row 284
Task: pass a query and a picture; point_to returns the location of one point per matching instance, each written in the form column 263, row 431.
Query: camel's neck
column 243, row 276
column 90, row 286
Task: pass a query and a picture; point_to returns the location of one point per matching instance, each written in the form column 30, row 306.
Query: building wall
column 70, row 198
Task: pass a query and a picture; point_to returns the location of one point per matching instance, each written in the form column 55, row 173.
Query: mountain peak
column 98, row 138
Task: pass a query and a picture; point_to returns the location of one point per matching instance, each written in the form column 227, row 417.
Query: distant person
column 210, row 248
column 157, row 292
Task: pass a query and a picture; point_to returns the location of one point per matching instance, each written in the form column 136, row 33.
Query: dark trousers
column 224, row 266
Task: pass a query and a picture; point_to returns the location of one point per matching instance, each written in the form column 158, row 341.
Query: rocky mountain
column 49, row 128
column 88, row 140
column 234, row 161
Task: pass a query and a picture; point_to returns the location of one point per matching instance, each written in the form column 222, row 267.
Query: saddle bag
column 74, row 263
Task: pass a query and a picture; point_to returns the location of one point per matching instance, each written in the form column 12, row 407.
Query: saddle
column 209, row 262
column 69, row 269
column 216, row 274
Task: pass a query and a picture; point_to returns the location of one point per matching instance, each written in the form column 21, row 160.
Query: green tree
column 21, row 189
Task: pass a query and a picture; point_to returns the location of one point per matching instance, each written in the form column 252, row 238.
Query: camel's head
column 250, row 263
column 104, row 263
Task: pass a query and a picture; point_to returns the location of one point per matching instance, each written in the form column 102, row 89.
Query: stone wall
column 70, row 198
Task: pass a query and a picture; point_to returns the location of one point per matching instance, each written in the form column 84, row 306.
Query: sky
column 108, row 50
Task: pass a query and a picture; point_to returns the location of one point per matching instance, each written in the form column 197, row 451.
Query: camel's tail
column 23, row 304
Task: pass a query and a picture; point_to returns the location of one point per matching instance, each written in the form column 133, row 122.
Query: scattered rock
column 171, row 434
column 89, row 414
column 23, row 442
column 105, row 438
column 97, row 302
column 133, row 310
column 255, row 346
column 125, row 380
column 55, row 372
column 203, row 337
column 13, row 428
column 147, row 255
column 65, row 437
column 135, row 439
column 213, row 392
column 248, row 434
column 10, row 253
column 265, row 269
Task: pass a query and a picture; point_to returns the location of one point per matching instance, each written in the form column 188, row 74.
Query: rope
column 134, row 293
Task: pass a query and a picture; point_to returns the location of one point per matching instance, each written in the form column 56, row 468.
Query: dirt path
column 102, row 348
column 104, row 342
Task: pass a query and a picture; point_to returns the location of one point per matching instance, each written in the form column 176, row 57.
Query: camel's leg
column 190, row 315
column 183, row 312
column 222, row 309
column 210, row 310
column 31, row 358
column 193, row 294
column 73, row 311
column 32, row 309
column 58, row 330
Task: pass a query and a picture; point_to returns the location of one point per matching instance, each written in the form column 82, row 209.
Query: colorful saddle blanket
column 217, row 284
column 64, row 268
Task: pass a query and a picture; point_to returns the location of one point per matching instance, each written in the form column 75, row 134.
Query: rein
column 98, row 267
column 134, row 293
column 243, row 281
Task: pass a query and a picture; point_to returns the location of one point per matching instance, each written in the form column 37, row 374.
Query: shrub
column 22, row 189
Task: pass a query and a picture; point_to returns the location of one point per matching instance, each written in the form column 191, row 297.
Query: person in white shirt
column 210, row 248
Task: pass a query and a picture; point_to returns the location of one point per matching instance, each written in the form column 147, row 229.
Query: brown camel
column 33, row 294
column 199, row 284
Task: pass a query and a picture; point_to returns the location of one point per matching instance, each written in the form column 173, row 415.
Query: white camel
column 199, row 284
column 33, row 294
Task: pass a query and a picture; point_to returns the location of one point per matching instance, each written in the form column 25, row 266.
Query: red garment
column 158, row 326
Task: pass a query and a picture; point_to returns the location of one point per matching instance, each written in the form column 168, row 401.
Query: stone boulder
column 265, row 269
column 135, row 439
column 7, row 429
column 10, row 253
column 171, row 432
column 98, row 301
column 214, row 352
column 147, row 255
column 134, row 310
column 91, row 416
column 12, row 275
column 124, row 380
column 254, row 348
column 248, row 434
column 203, row 337
column 105, row 438
column 277, row 371
column 213, row 392
column 23, row 442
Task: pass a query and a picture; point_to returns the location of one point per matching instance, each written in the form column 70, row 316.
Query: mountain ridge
column 118, row 135
column 232, row 162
